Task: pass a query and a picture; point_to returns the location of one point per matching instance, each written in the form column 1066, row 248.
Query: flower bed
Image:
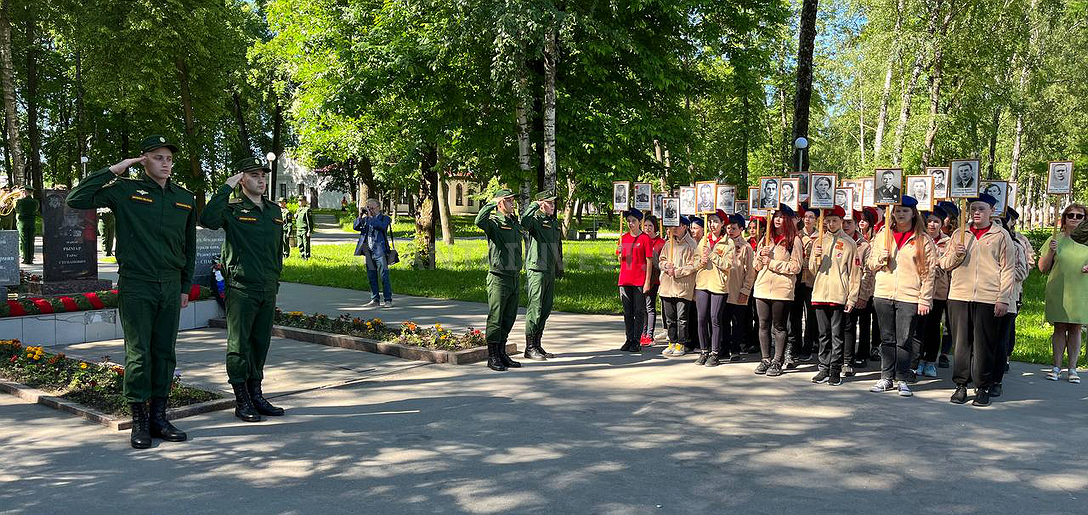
column 95, row 385
column 409, row 333
column 77, row 302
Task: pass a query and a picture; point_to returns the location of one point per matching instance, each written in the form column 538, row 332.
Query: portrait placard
column 868, row 192
column 642, row 196
column 788, row 193
column 921, row 188
column 620, row 196
column 1000, row 191
column 705, row 194
column 742, row 209
column 1012, row 195
column 1059, row 178
column 658, row 198
column 687, row 200
column 671, row 211
column 964, row 179
column 755, row 203
column 726, row 198
column 889, row 186
column 856, row 185
column 940, row 181
column 822, row 195
column 803, row 188
column 768, row 192
column 844, row 198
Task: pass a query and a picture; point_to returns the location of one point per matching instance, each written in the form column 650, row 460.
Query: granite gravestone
column 69, row 248
column 209, row 244
column 9, row 258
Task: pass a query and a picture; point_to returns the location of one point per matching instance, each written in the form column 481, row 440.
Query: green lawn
column 589, row 285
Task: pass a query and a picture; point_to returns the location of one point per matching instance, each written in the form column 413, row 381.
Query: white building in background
column 295, row 180
column 460, row 191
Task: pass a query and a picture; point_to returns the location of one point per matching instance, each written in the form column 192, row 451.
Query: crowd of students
column 906, row 292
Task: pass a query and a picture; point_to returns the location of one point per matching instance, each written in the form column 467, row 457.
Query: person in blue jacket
column 373, row 227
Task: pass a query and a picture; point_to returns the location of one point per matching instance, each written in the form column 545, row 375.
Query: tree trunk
column 444, row 210
column 34, row 158
column 244, row 148
column 904, row 108
column 277, row 145
column 568, row 209
column 426, row 212
column 1025, row 72
column 861, row 119
column 7, row 82
column 991, row 170
column 885, row 97
column 936, row 76
column 192, row 151
column 805, row 46
column 550, row 59
column 523, row 142
column 79, row 116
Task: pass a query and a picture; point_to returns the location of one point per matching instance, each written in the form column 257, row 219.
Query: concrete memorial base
column 68, row 287
column 92, row 326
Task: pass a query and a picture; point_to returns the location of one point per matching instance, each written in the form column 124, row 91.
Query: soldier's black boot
column 141, row 433
column 494, row 362
column 531, row 352
column 160, row 426
column 541, row 349
column 506, row 361
column 243, row 408
column 259, row 402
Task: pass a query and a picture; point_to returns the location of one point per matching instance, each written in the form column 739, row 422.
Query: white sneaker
column 930, row 370
column 904, row 390
column 372, row 304
column 1054, row 374
column 388, row 303
column 882, row 385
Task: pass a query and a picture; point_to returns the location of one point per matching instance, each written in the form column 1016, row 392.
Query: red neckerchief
column 902, row 237
column 979, row 232
column 779, row 239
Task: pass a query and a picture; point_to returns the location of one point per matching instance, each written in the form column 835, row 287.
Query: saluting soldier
column 304, row 225
column 543, row 265
column 106, row 229
column 288, row 223
column 504, row 264
column 253, row 258
column 158, row 233
column 26, row 212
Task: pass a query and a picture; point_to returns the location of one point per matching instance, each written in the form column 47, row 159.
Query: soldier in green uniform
column 105, row 230
column 157, row 230
column 288, row 224
column 26, row 212
column 504, row 264
column 543, row 265
column 252, row 258
column 304, row 226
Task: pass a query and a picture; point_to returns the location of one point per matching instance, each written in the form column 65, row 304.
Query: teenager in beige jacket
column 859, row 320
column 803, row 336
column 903, row 292
column 742, row 277
column 677, row 288
column 979, row 295
column 777, row 265
column 836, row 267
column 1008, row 337
column 927, row 343
column 713, row 259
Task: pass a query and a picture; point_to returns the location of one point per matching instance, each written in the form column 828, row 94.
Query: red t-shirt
column 979, row 232
column 658, row 244
column 633, row 250
column 902, row 237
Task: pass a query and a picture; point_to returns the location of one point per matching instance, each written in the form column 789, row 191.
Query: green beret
column 156, row 141
column 545, row 196
column 503, row 193
column 250, row 163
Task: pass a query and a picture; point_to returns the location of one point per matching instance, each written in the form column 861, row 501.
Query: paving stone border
column 36, row 396
column 461, row 357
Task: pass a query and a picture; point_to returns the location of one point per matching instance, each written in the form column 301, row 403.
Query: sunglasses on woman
column 1075, row 216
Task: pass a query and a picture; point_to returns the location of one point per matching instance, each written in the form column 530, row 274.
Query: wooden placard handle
column 963, row 222
column 888, row 228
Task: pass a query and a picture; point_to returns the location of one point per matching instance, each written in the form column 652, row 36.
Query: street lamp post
column 800, row 144
column 83, row 162
column 272, row 177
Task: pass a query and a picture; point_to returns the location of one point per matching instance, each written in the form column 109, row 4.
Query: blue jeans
column 375, row 263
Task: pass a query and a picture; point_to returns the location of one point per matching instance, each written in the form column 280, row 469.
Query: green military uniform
column 26, row 212
column 252, row 259
column 106, row 230
column 543, row 264
column 504, row 264
column 158, row 233
column 288, row 223
column 304, row 225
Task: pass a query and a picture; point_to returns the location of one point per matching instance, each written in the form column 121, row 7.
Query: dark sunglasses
column 1075, row 216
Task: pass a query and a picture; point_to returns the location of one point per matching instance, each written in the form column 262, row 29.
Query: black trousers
column 946, row 332
column 710, row 311
column 693, row 325
column 979, row 337
column 772, row 313
column 735, row 328
column 832, row 337
column 1004, row 350
column 634, row 313
column 856, row 333
column 927, row 343
column 802, row 337
column 675, row 311
column 898, row 323
column 753, row 324
column 651, row 311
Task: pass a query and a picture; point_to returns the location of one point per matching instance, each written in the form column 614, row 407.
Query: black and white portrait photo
column 1011, row 197
column 854, row 185
column 1000, row 191
column 742, row 209
column 768, row 192
column 889, row 186
column 1060, row 179
column 940, row 181
column 755, row 203
column 619, row 196
column 964, row 179
column 921, row 188
column 725, row 198
column 844, row 198
column 671, row 211
column 642, row 196
column 868, row 192
column 705, row 189
column 822, row 195
column 802, row 184
column 657, row 209
column 687, row 200
column 790, row 196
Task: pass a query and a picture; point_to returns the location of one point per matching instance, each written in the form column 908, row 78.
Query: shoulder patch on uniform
column 183, row 205
column 234, row 200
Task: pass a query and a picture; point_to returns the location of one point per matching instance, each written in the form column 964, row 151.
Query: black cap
column 155, row 141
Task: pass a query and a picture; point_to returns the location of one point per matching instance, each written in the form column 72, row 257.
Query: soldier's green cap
column 250, row 163
column 156, row 141
column 504, row 193
column 545, row 196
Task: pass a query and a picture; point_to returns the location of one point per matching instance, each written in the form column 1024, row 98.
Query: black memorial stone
column 9, row 258
column 69, row 248
column 209, row 245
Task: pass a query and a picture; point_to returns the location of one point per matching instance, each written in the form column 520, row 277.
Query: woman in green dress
column 1067, row 263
